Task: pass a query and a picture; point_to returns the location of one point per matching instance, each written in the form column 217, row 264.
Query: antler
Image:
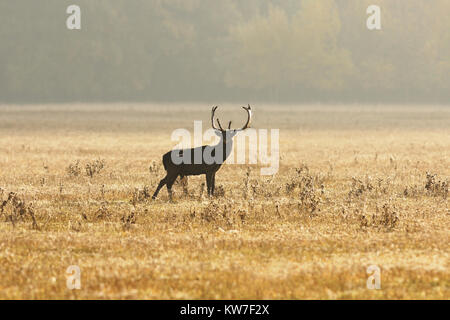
column 220, row 126
column 249, row 120
column 212, row 118
column 249, row 112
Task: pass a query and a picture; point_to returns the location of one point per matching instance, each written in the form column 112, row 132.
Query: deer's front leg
column 213, row 183
column 209, row 182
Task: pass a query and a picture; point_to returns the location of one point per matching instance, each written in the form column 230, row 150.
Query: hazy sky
column 230, row 50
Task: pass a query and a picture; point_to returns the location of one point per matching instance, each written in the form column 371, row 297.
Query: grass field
column 357, row 186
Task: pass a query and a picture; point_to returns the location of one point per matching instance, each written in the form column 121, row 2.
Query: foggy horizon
column 286, row 52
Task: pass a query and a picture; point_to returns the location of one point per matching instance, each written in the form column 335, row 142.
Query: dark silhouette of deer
column 205, row 160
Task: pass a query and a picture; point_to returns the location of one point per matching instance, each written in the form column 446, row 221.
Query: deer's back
column 190, row 168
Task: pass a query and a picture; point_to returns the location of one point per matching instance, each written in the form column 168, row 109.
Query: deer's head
column 227, row 134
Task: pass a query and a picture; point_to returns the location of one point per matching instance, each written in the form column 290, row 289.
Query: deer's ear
column 231, row 133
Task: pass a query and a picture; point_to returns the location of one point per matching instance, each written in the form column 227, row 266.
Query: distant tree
column 277, row 51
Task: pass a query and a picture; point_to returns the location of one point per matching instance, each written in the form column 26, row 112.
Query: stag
column 207, row 165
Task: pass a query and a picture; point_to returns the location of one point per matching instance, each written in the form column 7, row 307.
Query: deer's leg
column 209, row 182
column 213, row 183
column 170, row 181
column 160, row 185
column 184, row 183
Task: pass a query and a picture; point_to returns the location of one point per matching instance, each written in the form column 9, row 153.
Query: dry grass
column 357, row 186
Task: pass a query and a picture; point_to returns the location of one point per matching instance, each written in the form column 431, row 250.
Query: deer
column 207, row 165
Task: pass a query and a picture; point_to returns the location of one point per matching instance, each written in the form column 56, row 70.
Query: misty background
column 230, row 50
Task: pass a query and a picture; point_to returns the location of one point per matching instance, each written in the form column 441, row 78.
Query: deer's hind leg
column 160, row 185
column 184, row 183
column 170, row 181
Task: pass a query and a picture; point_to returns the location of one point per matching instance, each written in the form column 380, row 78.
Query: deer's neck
column 226, row 147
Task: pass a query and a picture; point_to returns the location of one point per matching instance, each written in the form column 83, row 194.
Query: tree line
column 197, row 50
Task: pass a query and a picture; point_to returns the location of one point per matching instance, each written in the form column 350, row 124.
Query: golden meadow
column 357, row 186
